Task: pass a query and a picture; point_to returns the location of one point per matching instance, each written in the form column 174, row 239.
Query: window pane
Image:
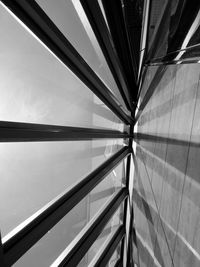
column 32, row 174
column 36, row 87
column 106, row 188
column 115, row 257
column 55, row 241
column 69, row 17
column 109, row 229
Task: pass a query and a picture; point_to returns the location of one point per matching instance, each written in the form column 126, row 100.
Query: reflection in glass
column 32, row 174
column 36, row 87
column 71, row 20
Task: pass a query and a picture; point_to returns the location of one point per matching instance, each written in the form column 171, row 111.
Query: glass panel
column 174, row 25
column 115, row 257
column 100, row 194
column 32, row 174
column 70, row 18
column 106, row 188
column 110, row 228
column 55, row 241
column 36, row 87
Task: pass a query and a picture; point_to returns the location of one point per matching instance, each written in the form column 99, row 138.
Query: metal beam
column 29, row 132
column 22, row 238
column 32, row 15
column 127, row 205
column 97, row 21
column 144, row 36
column 110, row 247
column 73, row 254
column 119, row 263
column 115, row 18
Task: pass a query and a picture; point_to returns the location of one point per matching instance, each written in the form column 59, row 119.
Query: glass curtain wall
column 37, row 88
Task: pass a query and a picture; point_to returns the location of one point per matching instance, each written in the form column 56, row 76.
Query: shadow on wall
column 167, row 184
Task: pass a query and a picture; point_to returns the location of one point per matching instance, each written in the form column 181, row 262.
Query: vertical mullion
column 100, row 29
column 127, row 208
column 124, row 241
column 144, row 36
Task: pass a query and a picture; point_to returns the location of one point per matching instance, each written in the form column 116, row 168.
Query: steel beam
column 111, row 246
column 22, row 238
column 97, row 21
column 29, row 132
column 73, row 254
column 32, row 15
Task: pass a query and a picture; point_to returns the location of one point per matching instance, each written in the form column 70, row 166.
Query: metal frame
column 125, row 206
column 72, row 255
column 169, row 58
column 23, row 237
column 123, row 247
column 110, row 248
column 29, row 232
column 158, row 32
column 119, row 263
column 32, row 15
column 144, row 35
column 123, row 251
column 115, row 16
column 29, row 132
column 129, row 249
column 130, row 44
column 95, row 16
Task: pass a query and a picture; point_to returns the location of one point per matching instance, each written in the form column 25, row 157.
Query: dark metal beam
column 97, row 21
column 115, row 18
column 129, row 249
column 128, row 164
column 2, row 263
column 113, row 242
column 29, row 232
column 128, row 172
column 32, row 15
column 72, row 255
column 189, row 55
column 144, row 39
column 29, row 132
column 119, row 263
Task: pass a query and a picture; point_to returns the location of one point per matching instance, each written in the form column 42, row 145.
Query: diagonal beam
column 32, row 15
column 97, row 21
column 73, row 254
column 23, row 237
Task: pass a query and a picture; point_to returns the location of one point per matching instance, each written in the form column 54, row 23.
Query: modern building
column 99, row 133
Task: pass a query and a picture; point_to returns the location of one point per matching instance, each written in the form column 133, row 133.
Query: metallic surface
column 176, row 34
column 29, row 132
column 100, row 28
column 115, row 16
column 28, row 233
column 110, row 248
column 39, row 23
column 73, row 254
